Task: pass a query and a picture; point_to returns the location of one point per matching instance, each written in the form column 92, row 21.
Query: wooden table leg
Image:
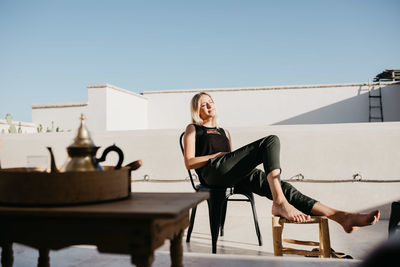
column 176, row 250
column 44, row 259
column 7, row 258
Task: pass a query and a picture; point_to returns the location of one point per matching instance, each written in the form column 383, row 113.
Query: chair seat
column 202, row 187
column 314, row 219
column 231, row 190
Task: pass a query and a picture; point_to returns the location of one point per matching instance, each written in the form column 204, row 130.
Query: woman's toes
column 375, row 216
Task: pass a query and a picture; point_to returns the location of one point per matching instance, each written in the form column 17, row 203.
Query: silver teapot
column 82, row 153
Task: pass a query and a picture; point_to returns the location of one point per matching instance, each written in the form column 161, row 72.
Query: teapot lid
column 83, row 138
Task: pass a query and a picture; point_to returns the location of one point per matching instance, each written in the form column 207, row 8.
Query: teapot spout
column 53, row 167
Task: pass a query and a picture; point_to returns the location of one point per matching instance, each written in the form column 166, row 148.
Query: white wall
column 168, row 110
column 109, row 108
column 311, row 104
column 65, row 115
column 97, row 109
column 334, row 151
column 125, row 110
column 330, row 151
column 113, row 109
column 391, row 102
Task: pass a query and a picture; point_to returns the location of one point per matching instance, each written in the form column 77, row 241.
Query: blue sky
column 51, row 50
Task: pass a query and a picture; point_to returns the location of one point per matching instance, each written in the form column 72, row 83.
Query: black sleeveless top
column 210, row 141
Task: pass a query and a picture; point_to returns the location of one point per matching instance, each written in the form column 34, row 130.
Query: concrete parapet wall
column 64, row 115
column 284, row 105
column 112, row 108
column 116, row 109
column 326, row 152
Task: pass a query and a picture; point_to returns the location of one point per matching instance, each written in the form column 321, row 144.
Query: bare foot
column 352, row 221
column 289, row 212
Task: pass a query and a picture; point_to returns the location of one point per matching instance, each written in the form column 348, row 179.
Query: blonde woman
column 208, row 150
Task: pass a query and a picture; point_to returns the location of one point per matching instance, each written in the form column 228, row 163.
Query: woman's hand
column 219, row 154
column 189, row 143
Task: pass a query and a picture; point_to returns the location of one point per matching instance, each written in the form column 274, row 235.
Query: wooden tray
column 28, row 187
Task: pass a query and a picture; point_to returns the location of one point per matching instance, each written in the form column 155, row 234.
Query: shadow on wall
column 352, row 110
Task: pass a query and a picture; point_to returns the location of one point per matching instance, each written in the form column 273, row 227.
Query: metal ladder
column 375, row 104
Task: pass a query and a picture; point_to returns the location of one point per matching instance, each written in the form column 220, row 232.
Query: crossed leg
column 280, row 205
column 350, row 221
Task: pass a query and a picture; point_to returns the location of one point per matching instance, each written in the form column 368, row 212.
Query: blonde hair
column 195, row 109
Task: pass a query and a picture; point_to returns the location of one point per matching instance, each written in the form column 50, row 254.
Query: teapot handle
column 53, row 167
column 116, row 149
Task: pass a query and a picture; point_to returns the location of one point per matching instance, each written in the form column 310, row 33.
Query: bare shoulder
column 227, row 133
column 190, row 129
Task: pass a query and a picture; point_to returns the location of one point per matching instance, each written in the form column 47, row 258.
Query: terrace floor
column 239, row 246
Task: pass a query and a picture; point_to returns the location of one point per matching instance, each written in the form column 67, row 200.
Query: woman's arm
column 189, row 143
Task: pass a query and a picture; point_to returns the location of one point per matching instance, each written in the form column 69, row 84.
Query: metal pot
column 82, row 153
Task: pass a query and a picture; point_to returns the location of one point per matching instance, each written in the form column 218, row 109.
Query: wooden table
column 135, row 226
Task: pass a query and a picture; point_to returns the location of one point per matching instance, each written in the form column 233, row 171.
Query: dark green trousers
column 238, row 169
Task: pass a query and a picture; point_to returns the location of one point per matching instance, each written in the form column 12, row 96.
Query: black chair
column 394, row 218
column 217, row 205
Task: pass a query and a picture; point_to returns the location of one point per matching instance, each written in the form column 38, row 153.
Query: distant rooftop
column 388, row 75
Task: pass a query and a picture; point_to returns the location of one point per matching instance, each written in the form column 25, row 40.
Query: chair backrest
column 183, row 153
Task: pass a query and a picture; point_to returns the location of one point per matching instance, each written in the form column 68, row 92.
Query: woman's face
column 207, row 107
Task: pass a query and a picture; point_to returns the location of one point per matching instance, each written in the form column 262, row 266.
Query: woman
column 208, row 150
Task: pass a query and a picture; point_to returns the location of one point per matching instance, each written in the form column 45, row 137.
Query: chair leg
column 223, row 217
column 251, row 198
column 192, row 217
column 215, row 207
column 394, row 217
column 7, row 257
column 277, row 229
column 44, row 259
column 324, row 239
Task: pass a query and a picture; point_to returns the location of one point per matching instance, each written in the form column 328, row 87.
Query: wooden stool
column 324, row 241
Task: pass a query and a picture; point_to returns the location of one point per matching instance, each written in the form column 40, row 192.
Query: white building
column 110, row 108
column 324, row 132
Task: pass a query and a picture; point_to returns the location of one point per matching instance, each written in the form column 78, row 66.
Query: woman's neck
column 209, row 123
